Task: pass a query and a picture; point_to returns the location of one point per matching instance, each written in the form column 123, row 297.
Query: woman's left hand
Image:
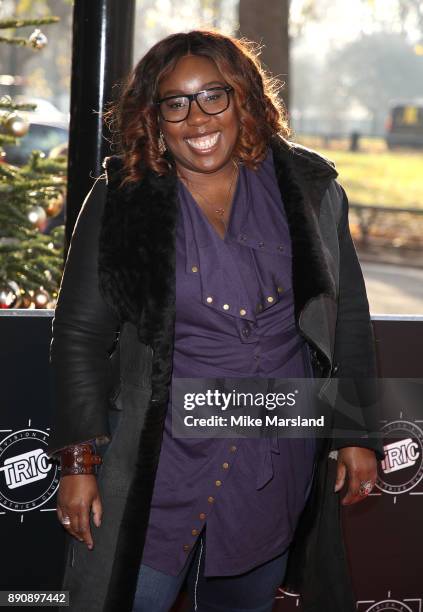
column 361, row 466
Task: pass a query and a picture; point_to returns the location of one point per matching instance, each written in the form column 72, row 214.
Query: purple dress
column 234, row 318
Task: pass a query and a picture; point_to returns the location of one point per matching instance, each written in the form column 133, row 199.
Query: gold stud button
column 225, row 465
column 225, row 306
column 218, row 483
column 194, row 268
column 195, row 532
column 210, row 499
column 209, row 299
column 279, row 289
column 202, row 515
column 270, row 299
column 233, row 449
column 242, row 312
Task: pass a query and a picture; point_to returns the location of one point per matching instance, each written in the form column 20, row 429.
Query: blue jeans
column 252, row 591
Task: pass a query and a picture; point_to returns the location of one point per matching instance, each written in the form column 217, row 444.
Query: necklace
column 219, row 211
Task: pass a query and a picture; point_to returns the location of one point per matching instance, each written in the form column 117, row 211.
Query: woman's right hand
column 78, row 494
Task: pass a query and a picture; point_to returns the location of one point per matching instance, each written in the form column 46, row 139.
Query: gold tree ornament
column 162, row 143
column 41, row 298
column 38, row 40
column 24, row 300
column 9, row 294
column 37, row 216
column 55, row 204
column 16, row 125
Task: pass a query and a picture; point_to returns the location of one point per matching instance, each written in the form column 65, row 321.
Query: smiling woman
column 176, row 66
column 218, row 249
column 203, row 142
column 205, row 118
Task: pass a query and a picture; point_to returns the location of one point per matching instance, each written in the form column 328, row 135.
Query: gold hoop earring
column 162, row 143
column 236, row 162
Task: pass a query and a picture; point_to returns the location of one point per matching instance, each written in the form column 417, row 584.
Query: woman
column 216, row 248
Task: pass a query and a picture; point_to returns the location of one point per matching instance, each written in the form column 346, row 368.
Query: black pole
column 102, row 48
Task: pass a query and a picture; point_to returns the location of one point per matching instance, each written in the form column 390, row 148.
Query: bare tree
column 267, row 24
column 413, row 9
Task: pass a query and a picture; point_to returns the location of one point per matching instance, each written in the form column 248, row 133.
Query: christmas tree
column 30, row 260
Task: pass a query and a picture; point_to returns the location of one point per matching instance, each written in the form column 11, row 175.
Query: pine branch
column 23, row 42
column 7, row 104
column 37, row 165
column 53, row 166
column 7, row 24
column 23, row 186
column 8, row 172
column 21, row 23
column 6, row 139
column 10, row 212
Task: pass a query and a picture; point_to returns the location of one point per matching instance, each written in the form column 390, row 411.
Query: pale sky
column 343, row 21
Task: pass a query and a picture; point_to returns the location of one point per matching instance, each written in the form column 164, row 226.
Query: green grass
column 376, row 175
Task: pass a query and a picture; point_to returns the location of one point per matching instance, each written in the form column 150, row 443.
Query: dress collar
column 247, row 271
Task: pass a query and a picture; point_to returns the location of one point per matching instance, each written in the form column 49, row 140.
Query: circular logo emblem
column 402, row 468
column 27, row 479
column 389, row 605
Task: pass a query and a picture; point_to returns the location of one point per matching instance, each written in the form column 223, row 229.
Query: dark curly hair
column 133, row 118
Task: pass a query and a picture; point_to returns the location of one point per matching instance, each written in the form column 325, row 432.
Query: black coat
column 118, row 297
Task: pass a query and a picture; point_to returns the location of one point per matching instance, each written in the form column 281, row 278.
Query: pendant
column 220, row 211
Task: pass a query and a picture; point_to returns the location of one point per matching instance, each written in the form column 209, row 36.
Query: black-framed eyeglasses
column 211, row 101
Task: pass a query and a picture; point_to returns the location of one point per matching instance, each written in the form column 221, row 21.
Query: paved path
column 393, row 289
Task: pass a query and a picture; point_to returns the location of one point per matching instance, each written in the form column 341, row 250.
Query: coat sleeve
column 357, row 408
column 84, row 331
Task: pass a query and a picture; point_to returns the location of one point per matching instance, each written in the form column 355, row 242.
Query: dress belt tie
column 270, row 444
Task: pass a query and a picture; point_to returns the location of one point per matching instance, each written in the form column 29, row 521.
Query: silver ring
column 365, row 487
column 66, row 520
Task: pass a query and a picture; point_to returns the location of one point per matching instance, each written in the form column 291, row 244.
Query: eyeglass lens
column 212, row 102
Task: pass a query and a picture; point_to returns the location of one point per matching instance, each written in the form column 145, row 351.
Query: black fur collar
column 303, row 177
